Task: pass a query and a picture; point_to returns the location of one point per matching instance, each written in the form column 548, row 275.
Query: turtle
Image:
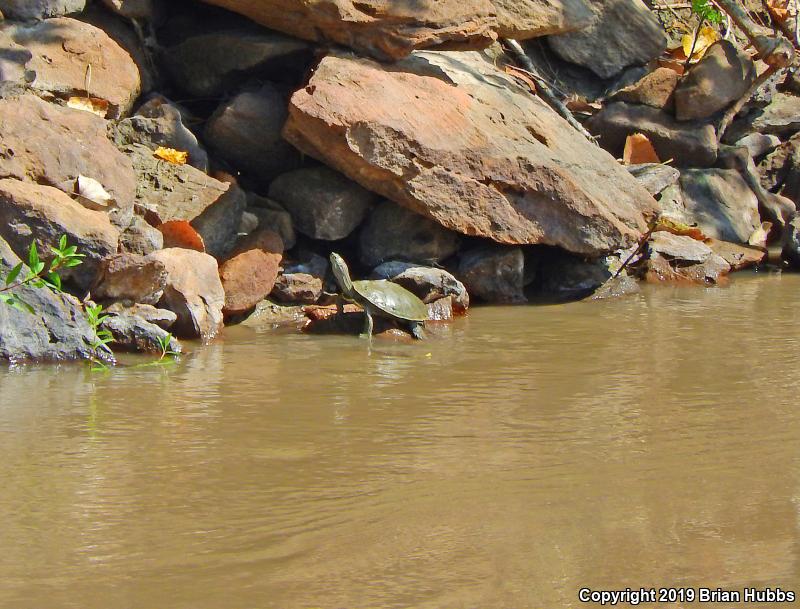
column 380, row 298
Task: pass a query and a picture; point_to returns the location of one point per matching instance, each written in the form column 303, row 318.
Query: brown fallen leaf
column 705, row 38
column 639, row 149
column 523, row 76
column 94, row 105
column 171, row 155
column 179, row 233
column 675, row 227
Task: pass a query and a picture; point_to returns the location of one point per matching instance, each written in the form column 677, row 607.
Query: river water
column 520, row 455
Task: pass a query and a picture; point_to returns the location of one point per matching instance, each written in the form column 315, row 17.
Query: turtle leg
column 418, row 330
column 367, row 333
column 339, row 305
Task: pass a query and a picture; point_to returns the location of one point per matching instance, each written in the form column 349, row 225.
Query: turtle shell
column 392, row 299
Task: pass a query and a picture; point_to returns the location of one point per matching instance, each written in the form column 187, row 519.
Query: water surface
column 523, row 454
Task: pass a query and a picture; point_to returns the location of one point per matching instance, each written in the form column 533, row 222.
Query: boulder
column 180, row 192
column 385, row 30
column 57, row 330
column 29, row 212
column 471, row 149
column 659, row 269
column 25, row 10
column 161, row 317
column 522, row 19
column 494, row 273
column 655, row 177
column 564, row 276
column 394, row 233
column 679, row 247
column 156, row 124
column 323, row 203
column 737, row 256
column 214, row 63
column 622, row 33
column 655, row 89
column 249, row 275
column 688, row 144
column 271, row 215
column 58, row 53
column 429, row 284
column 246, row 132
column 791, row 249
column 297, row 288
column 130, row 277
column 721, row 77
column 132, row 333
column 721, row 203
column 48, row 144
column 193, row 292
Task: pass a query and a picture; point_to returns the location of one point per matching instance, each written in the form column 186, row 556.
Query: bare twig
column 544, row 89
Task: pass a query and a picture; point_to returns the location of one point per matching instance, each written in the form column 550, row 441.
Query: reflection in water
column 528, row 452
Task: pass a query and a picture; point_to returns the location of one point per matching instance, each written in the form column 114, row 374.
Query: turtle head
column 342, row 273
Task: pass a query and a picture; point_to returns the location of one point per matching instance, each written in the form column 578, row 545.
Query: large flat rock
column 523, row 19
column 387, row 29
column 450, row 137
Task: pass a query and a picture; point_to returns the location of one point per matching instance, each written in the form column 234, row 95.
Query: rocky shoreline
column 207, row 159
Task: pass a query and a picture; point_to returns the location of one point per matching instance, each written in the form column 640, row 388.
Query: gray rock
column 522, row 19
column 655, row 177
column 213, row 63
column 791, row 249
column 688, row 144
column 568, row 277
column 622, row 33
column 323, row 203
column 269, row 315
column 721, row 203
column 297, row 288
column 429, row 284
column 181, row 192
column 29, row 212
column 679, row 247
column 759, row 144
column 131, row 277
column 722, row 76
column 160, row 317
column 246, row 132
column 132, row 333
column 58, row 330
column 394, row 233
column 494, row 273
column 140, row 238
column 272, row 216
column 159, row 123
column 39, row 9
column 659, row 269
column 781, row 117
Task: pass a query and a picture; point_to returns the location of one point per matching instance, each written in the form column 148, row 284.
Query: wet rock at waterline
column 58, row 330
column 394, row 233
column 563, row 276
column 737, row 256
column 193, row 292
column 249, row 275
column 428, row 284
column 42, row 214
column 493, row 161
column 679, row 247
column 386, row 30
column 323, row 204
column 132, row 333
column 56, row 55
column 131, row 277
column 161, row 317
column 180, row 192
column 246, row 132
column 494, row 273
column 297, row 288
column 622, row 33
column 791, row 250
column 660, row 269
column 720, row 78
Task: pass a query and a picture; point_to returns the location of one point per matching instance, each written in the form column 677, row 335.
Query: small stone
column 655, row 177
column 297, row 288
column 249, row 275
column 656, row 89
column 160, row 317
column 132, row 333
column 494, row 273
column 130, row 277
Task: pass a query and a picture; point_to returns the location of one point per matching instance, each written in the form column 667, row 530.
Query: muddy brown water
column 523, row 454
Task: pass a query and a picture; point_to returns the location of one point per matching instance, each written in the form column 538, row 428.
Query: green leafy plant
column 165, row 343
column 39, row 275
column 706, row 11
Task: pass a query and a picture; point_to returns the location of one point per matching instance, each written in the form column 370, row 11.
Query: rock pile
column 399, row 134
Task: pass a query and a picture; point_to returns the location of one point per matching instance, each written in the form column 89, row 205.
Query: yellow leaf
column 89, row 104
column 171, row 155
column 706, row 37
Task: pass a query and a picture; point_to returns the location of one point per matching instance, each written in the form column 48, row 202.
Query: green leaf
column 72, row 262
column 12, row 300
column 33, row 257
column 54, row 279
column 14, row 274
column 62, row 243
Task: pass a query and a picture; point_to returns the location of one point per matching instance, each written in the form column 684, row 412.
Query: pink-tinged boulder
column 451, row 137
column 193, row 292
column 383, row 29
column 49, row 144
column 523, row 19
column 59, row 52
column 30, row 212
column 249, row 275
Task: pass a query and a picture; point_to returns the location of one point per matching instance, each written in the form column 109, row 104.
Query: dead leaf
column 171, row 155
column 179, row 233
column 94, row 105
column 675, row 227
column 91, row 193
column 705, row 38
column 523, row 76
column 582, row 105
column 760, row 235
column 638, row 149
